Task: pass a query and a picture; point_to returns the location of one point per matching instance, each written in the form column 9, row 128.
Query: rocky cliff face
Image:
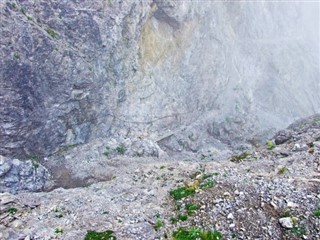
column 187, row 75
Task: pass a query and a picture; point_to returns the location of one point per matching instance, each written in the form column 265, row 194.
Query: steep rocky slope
column 270, row 192
column 186, row 75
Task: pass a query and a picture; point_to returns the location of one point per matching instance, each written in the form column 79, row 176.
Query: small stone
column 232, row 225
column 274, row 205
column 292, row 205
column 227, row 195
column 230, row 216
column 286, row 222
column 16, row 223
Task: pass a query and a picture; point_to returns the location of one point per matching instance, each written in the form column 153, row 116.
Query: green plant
column 270, row 145
column 191, row 208
column 35, row 161
column 316, row 212
column 162, row 167
column 196, row 233
column 23, row 11
column 207, row 184
column 240, row 158
column 120, row 150
column 174, row 220
column 158, row 224
column 16, row 56
column 107, row 152
column 106, row 235
column 182, row 217
column 298, row 230
column 12, row 210
column 282, row 170
column 182, row 192
column 58, row 230
column 51, row 33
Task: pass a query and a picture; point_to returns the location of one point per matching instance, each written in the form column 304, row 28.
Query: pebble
column 286, row 222
column 292, row 205
column 230, row 216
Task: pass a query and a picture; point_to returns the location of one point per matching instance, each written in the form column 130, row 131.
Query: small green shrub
column 52, row 33
column 23, row 11
column 182, row 192
column 207, row 184
column 282, row 170
column 316, row 212
column 196, row 233
column 107, row 152
column 35, row 161
column 191, row 208
column 158, row 224
column 270, row 145
column 12, row 210
column 58, row 230
column 182, row 217
column 120, row 150
column 298, row 230
column 106, row 235
column 240, row 158
column 16, row 56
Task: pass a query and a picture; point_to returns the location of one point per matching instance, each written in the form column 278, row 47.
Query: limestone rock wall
column 185, row 74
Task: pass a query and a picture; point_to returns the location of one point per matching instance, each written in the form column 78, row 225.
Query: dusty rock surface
column 270, row 192
column 184, row 74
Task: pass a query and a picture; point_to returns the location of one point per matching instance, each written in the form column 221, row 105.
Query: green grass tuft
column 106, row 235
column 196, row 233
column 207, row 184
column 182, row 192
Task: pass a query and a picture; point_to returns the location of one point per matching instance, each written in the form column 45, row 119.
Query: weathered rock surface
column 263, row 195
column 186, row 75
column 17, row 176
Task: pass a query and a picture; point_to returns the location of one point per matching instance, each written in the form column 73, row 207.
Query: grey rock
column 286, row 222
column 282, row 137
column 5, row 165
column 24, row 176
column 77, row 71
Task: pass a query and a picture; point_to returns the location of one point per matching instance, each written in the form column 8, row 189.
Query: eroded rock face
column 17, row 176
column 198, row 73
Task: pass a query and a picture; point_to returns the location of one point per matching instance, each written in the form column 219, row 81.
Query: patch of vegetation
column 52, row 33
column 316, row 212
column 286, row 213
column 282, row 170
column 106, row 235
column 182, row 192
column 207, row 184
column 311, row 147
column 23, row 11
column 158, row 224
column 16, row 56
column 120, row 150
column 196, row 233
column 12, row 210
column 240, row 158
column 298, row 230
column 58, row 230
column 35, row 161
column 182, row 217
column 174, row 220
column 162, row 167
column 191, row 208
column 107, row 152
column 270, row 145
